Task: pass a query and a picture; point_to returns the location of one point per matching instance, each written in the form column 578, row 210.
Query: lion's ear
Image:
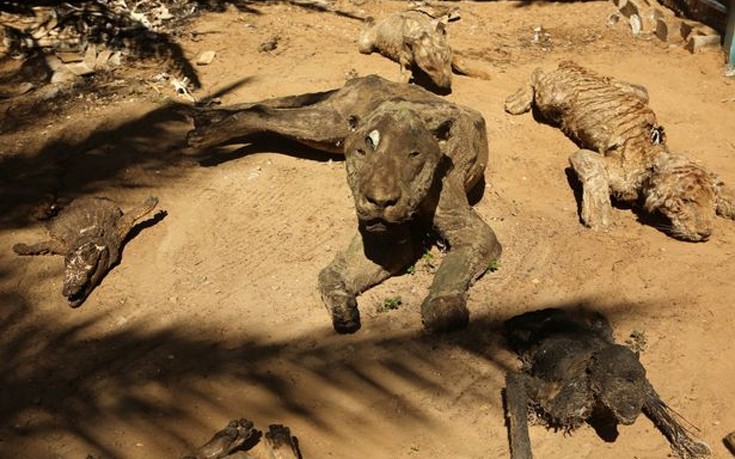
column 440, row 27
column 442, row 132
column 353, row 121
column 725, row 200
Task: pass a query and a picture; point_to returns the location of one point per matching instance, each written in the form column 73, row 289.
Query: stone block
column 668, row 29
column 697, row 43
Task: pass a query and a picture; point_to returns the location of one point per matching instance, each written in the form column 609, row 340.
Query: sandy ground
column 213, row 313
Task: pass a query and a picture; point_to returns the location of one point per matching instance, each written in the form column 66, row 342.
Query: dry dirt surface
column 213, row 313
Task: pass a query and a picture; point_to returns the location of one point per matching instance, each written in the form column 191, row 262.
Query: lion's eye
column 414, row 154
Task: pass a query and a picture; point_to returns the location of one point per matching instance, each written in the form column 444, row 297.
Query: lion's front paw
column 595, row 213
column 445, row 313
column 520, row 101
column 225, row 441
column 343, row 308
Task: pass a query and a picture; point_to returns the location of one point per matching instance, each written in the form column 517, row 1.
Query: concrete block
column 668, row 30
column 697, row 43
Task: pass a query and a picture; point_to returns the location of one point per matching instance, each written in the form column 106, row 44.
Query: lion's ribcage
column 592, row 111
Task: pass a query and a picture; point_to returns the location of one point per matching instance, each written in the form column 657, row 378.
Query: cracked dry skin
column 624, row 154
column 573, row 370
column 89, row 233
column 411, row 159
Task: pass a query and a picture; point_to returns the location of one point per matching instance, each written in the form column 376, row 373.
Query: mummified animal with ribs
column 624, row 151
column 411, row 159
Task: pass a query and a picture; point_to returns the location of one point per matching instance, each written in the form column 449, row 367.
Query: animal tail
column 462, row 65
column 666, row 420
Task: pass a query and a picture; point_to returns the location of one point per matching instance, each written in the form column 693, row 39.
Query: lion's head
column 619, row 383
column 688, row 196
column 433, row 55
column 84, row 268
column 391, row 159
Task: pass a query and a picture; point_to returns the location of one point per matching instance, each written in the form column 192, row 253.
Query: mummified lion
column 630, row 160
column 90, row 234
column 411, row 159
column 418, row 42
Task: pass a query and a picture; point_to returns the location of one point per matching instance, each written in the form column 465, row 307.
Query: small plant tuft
column 493, row 266
column 390, row 304
column 637, row 341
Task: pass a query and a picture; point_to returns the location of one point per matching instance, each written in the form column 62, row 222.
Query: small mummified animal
column 241, row 435
column 573, row 372
column 90, row 234
column 418, row 42
column 624, row 151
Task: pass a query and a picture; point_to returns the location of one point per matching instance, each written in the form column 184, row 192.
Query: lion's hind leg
column 596, row 208
column 318, row 125
column 51, row 247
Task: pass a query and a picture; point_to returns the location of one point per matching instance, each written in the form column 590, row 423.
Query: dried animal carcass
column 573, row 370
column 90, row 234
column 624, row 151
column 418, row 42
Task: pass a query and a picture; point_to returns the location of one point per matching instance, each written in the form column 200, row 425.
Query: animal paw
column 692, row 448
column 226, row 440
column 343, row 308
column 22, row 249
column 595, row 214
column 520, row 101
column 445, row 313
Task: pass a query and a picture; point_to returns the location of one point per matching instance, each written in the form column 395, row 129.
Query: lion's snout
column 383, row 198
column 381, row 195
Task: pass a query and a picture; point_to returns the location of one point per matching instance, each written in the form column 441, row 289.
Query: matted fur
column 629, row 158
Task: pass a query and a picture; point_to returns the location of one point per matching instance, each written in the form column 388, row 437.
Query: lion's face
column 686, row 195
column 84, row 268
column 391, row 160
column 618, row 381
column 433, row 55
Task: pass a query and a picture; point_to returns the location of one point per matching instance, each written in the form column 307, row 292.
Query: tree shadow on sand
column 73, row 165
column 73, row 380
